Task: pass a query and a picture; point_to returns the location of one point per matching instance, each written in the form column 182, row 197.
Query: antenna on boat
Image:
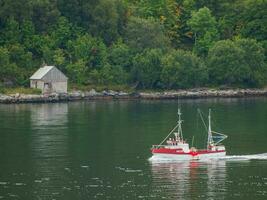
column 193, row 141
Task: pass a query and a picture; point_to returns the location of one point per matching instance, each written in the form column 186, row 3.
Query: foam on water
column 262, row 156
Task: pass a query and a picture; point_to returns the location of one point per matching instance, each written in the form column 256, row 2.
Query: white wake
column 262, row 156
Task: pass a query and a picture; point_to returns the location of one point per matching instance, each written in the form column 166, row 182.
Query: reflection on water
column 47, row 116
column 49, row 148
column 190, row 179
column 216, row 172
column 49, row 130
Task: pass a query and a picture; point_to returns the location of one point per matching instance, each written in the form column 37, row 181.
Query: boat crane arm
column 220, row 134
column 201, row 117
column 220, row 137
column 168, row 135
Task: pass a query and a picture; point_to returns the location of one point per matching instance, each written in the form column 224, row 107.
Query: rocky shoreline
column 113, row 95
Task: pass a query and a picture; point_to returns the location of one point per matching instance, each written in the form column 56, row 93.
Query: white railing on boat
column 157, row 146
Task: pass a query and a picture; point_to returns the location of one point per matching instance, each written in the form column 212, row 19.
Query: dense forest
column 145, row 44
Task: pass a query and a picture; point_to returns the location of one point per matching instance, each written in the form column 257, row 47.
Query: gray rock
column 112, row 93
column 92, row 93
column 5, row 98
column 121, row 93
column 104, row 92
column 76, row 95
column 17, row 95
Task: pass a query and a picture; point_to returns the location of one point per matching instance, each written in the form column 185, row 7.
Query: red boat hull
column 178, row 153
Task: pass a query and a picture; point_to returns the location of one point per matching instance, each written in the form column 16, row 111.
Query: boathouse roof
column 50, row 72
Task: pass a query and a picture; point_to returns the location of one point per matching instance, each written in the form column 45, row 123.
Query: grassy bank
column 20, row 90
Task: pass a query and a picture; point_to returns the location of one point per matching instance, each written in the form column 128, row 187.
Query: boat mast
column 210, row 140
column 179, row 134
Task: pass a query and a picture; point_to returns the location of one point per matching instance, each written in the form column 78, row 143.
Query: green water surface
column 101, row 150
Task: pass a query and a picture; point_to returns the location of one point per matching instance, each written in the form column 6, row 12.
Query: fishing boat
column 174, row 147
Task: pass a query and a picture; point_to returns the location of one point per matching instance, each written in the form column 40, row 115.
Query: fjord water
column 101, row 150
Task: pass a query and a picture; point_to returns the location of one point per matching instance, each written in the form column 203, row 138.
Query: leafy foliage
column 237, row 63
column 148, row 44
column 145, row 33
column 147, row 68
column 203, row 25
column 183, row 70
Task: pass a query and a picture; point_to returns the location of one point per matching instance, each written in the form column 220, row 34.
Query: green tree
column 168, row 12
column 237, row 63
column 123, row 13
column 18, row 10
column 20, row 56
column 72, row 10
column 253, row 57
column 119, row 54
column 108, row 20
column 10, row 33
column 5, row 68
column 264, row 45
column 77, row 71
column 183, row 69
column 186, row 7
column 86, row 55
column 123, row 41
column 204, row 27
column 229, row 16
column 78, row 12
column 216, row 6
column 8, row 70
column 253, row 19
column 47, row 47
column 91, row 50
column 27, row 31
column 45, row 14
column 112, row 75
column 62, row 32
column 59, row 59
column 145, row 33
column 23, row 60
column 226, row 65
column 147, row 68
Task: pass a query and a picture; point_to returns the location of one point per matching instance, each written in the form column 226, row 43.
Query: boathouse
column 50, row 80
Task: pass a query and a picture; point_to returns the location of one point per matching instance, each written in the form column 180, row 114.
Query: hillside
column 153, row 44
